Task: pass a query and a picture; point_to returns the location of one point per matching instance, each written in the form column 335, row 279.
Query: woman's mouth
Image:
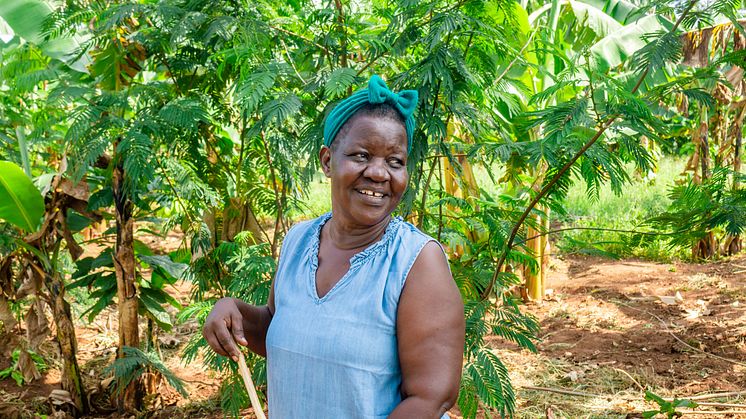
column 369, row 192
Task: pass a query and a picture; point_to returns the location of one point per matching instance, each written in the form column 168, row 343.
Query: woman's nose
column 376, row 170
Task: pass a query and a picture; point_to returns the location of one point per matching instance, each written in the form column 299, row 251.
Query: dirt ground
column 609, row 329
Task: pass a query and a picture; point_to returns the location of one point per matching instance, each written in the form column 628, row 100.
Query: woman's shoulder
column 303, row 231
column 409, row 232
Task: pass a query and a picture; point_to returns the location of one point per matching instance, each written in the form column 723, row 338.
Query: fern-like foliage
column 134, row 363
column 698, row 209
column 486, row 383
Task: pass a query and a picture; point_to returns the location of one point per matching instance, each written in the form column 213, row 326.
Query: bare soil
column 612, row 328
column 606, row 331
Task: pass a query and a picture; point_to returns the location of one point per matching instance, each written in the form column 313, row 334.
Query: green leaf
column 150, row 305
column 596, row 20
column 173, row 269
column 684, row 403
column 617, row 47
column 76, row 221
column 102, row 198
column 253, row 88
column 26, row 18
column 621, row 10
column 159, row 296
column 21, row 204
column 650, row 396
column 104, row 295
column 18, row 377
column 339, row 81
column 278, row 110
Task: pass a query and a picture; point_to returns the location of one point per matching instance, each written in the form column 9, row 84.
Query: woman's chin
column 369, row 215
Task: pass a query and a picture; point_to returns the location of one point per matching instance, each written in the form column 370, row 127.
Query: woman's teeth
column 371, row 193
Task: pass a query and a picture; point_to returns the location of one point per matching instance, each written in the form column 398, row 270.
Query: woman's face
column 367, row 165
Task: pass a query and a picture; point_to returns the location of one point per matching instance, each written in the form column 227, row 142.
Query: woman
column 363, row 319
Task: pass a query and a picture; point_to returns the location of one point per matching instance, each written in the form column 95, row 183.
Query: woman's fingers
column 237, row 328
column 209, row 332
column 225, row 339
column 224, row 326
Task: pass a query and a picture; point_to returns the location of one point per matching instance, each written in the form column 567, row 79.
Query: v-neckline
column 355, row 260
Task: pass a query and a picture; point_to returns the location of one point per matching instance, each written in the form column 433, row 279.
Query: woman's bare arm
column 430, row 331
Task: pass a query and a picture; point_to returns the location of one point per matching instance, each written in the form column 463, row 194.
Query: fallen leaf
column 668, row 300
column 37, row 326
column 6, row 316
column 27, row 367
column 60, row 397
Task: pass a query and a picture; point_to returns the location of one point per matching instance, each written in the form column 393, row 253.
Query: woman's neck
column 349, row 237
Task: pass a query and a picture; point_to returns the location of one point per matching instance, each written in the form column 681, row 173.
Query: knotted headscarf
column 377, row 92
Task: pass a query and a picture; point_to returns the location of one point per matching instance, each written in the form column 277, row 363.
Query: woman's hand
column 233, row 322
column 224, row 327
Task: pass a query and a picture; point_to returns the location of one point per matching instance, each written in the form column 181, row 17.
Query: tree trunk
column 537, row 247
column 737, row 154
column 734, row 245
column 238, row 217
column 71, row 378
column 124, row 266
column 546, row 249
column 706, row 247
column 704, row 151
column 533, row 279
column 150, row 337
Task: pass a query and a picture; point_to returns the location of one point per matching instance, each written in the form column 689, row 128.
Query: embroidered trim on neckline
column 366, row 253
column 355, row 260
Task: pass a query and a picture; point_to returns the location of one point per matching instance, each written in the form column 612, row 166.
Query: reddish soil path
column 606, row 317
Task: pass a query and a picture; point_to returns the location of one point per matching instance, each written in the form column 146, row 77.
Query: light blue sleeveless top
column 336, row 357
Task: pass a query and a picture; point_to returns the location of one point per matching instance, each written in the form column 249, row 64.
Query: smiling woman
column 363, row 319
column 367, row 165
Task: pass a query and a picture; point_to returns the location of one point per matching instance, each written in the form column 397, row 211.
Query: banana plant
column 707, row 96
column 44, row 228
column 26, row 20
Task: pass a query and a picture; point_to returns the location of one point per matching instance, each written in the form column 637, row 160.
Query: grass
column 318, row 199
column 641, row 199
column 620, row 396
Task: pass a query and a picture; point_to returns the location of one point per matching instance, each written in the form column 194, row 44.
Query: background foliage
column 205, row 117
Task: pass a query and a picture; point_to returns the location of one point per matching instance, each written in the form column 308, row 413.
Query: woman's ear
column 325, row 157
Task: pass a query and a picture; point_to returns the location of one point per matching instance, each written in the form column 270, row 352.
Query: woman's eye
column 360, row 156
column 396, row 163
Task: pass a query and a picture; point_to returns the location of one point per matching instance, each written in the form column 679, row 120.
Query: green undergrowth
column 644, row 197
column 318, row 199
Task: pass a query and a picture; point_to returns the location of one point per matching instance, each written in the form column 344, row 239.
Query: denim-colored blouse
column 336, row 356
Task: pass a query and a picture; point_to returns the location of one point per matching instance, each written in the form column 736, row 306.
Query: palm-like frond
column 136, row 362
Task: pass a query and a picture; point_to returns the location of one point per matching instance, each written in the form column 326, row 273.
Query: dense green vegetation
column 204, row 117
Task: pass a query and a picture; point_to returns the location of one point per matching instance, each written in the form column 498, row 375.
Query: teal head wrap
column 405, row 102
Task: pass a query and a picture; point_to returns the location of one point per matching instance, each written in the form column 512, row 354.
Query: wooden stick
column 721, row 404
column 712, row 412
column 631, row 378
column 249, row 383
column 717, row 395
column 566, row 392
